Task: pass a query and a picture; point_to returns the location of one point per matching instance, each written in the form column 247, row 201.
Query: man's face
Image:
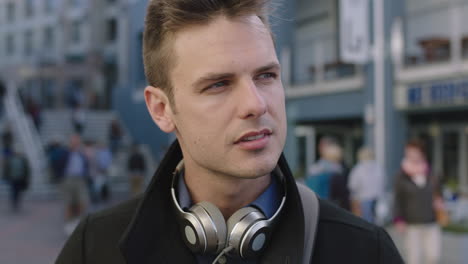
column 229, row 98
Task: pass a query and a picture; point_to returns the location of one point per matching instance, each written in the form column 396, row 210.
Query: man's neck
column 229, row 194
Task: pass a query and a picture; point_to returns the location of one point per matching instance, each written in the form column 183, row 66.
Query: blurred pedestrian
column 34, row 111
column 3, row 92
column 137, row 169
column 327, row 176
column 416, row 201
column 366, row 184
column 339, row 193
column 76, row 97
column 56, row 153
column 319, row 173
column 104, row 162
column 89, row 151
column 75, row 183
column 7, row 140
column 78, row 119
column 115, row 135
column 16, row 173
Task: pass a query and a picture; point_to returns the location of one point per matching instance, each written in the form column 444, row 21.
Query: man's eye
column 216, row 86
column 267, row 75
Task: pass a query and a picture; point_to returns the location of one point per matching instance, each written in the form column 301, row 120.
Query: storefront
column 437, row 113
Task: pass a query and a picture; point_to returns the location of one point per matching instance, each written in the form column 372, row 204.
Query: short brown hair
column 166, row 17
column 417, row 144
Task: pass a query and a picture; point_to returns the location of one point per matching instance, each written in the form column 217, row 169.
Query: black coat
column 145, row 231
column 414, row 204
column 21, row 181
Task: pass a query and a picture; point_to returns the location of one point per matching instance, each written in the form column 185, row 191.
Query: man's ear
column 159, row 108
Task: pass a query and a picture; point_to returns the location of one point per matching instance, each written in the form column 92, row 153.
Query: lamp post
column 379, row 81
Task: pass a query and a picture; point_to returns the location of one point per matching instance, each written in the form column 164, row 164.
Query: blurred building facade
column 425, row 85
column 328, row 96
column 58, row 49
column 424, row 76
column 431, row 84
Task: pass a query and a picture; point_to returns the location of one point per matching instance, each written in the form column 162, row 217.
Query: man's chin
column 258, row 171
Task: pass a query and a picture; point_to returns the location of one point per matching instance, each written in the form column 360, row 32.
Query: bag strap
column 310, row 206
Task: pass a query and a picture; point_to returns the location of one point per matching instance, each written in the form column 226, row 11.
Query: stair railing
column 28, row 136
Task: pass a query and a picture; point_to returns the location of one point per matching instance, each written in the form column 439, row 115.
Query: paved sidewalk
column 454, row 247
column 34, row 235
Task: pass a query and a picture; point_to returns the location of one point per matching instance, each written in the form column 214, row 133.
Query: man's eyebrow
column 268, row 67
column 210, row 77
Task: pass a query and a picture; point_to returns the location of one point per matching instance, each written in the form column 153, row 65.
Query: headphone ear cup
column 213, row 224
column 243, row 227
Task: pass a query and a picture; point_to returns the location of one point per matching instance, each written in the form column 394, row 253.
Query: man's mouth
column 252, row 138
column 256, row 135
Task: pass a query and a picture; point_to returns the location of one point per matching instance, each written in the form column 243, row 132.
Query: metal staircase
column 57, row 124
column 28, row 140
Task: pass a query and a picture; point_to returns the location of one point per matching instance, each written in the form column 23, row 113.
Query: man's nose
column 252, row 103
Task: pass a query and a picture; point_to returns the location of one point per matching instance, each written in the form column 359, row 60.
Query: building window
column 50, row 6
column 75, row 3
column 49, row 38
column 427, row 32
column 29, row 8
column 75, row 32
column 10, row 11
column 48, row 92
column 28, row 43
column 111, row 29
column 464, row 30
column 10, row 44
column 315, row 53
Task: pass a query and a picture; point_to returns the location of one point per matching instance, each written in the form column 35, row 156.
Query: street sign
column 354, row 31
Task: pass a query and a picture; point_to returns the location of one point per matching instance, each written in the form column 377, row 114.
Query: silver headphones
column 204, row 230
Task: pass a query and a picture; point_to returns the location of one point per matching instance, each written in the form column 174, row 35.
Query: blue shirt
column 76, row 165
column 268, row 202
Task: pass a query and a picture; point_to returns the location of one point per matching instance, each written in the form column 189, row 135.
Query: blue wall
column 139, row 123
column 134, row 113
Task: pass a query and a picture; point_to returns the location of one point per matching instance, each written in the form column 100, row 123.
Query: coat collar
column 153, row 235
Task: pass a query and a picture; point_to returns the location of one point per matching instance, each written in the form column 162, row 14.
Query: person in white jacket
column 366, row 183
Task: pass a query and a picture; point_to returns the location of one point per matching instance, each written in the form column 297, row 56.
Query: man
column 75, row 183
column 327, row 177
column 417, row 199
column 16, row 172
column 104, row 163
column 366, row 184
column 215, row 81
